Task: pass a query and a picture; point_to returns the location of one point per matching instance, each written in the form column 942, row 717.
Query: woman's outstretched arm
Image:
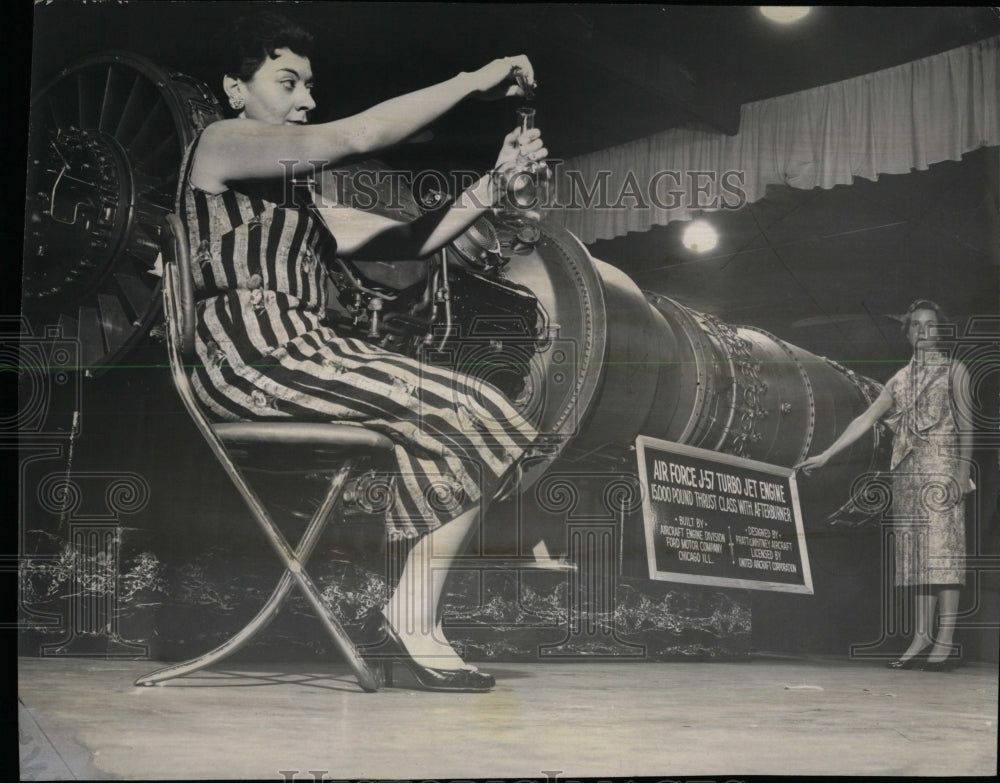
column 242, row 149
column 367, row 236
column 857, row 428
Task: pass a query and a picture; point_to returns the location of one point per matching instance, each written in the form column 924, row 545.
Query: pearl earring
column 236, row 102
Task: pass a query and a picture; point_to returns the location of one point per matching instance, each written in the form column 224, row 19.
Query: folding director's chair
column 238, row 441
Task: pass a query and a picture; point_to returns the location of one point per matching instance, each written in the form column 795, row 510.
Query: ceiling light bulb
column 785, row 14
column 700, row 237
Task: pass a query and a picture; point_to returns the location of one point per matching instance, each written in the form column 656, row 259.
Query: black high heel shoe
column 947, row 665
column 913, row 662
column 391, row 649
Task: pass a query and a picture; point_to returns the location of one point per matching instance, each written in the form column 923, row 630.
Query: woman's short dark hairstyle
column 924, row 304
column 252, row 39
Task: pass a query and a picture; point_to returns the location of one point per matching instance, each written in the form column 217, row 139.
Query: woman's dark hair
column 254, row 38
column 924, row 304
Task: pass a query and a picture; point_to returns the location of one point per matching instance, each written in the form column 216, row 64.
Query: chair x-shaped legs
column 294, row 573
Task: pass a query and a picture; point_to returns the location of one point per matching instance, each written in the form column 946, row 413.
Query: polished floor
column 83, row 719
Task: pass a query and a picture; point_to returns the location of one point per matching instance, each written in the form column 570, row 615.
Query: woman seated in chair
column 265, row 353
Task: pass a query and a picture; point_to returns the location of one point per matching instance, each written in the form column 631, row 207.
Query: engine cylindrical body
column 647, row 365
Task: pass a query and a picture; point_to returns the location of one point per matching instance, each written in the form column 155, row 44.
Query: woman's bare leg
column 947, row 612
column 413, row 608
column 923, row 633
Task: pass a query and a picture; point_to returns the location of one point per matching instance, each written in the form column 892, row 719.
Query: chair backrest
column 178, row 285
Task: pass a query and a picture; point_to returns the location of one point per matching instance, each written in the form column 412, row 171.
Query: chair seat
column 299, row 433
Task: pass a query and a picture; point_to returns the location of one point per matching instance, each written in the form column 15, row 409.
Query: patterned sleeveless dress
column 927, row 504
column 257, row 259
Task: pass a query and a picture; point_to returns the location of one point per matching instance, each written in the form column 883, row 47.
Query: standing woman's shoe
column 941, row 666
column 381, row 657
column 913, row 662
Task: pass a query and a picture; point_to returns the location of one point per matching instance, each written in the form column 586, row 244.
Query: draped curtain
column 887, row 122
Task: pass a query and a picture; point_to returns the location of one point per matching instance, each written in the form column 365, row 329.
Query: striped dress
column 257, row 259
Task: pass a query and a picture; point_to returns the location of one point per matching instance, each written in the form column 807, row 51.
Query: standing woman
column 258, row 250
column 926, row 406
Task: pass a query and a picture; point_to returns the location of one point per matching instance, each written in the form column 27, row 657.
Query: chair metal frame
column 178, row 300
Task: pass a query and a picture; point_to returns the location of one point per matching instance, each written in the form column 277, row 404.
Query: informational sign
column 716, row 519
